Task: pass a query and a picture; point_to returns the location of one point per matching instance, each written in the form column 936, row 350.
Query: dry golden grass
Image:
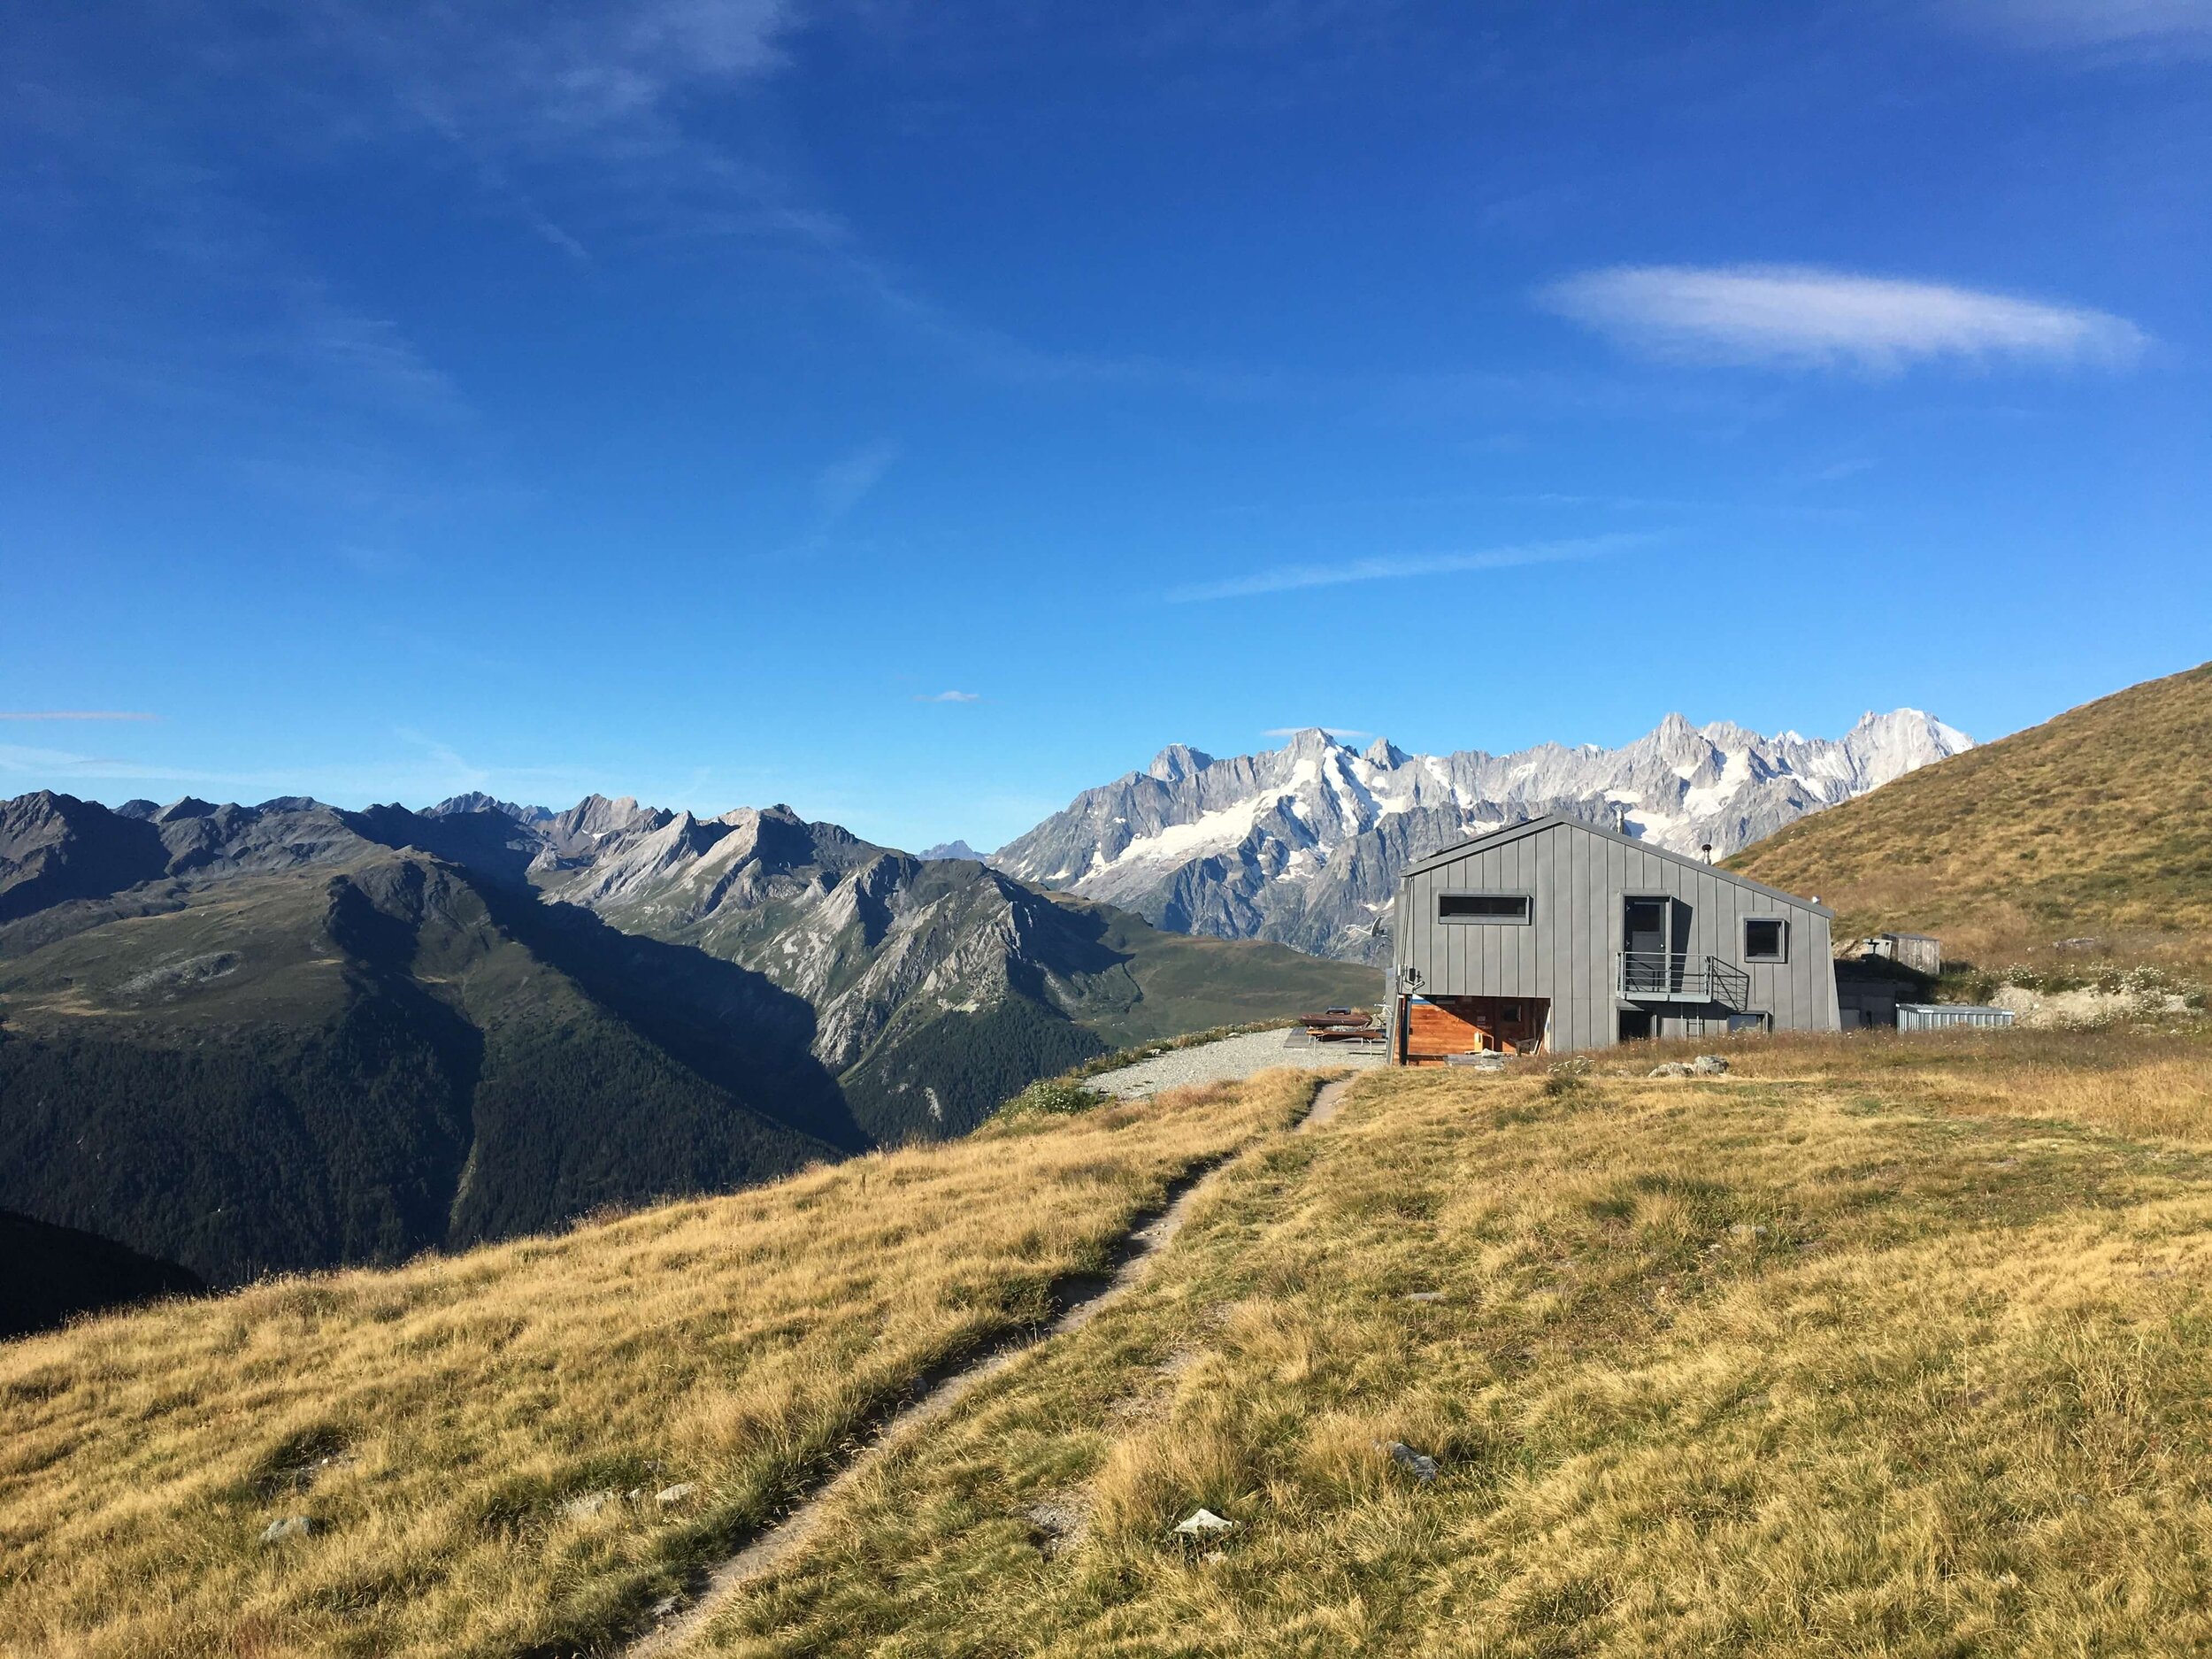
column 1895, row 1346
column 435, row 1421
column 2098, row 824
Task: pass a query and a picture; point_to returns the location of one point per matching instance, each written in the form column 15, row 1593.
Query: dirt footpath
column 1218, row 1062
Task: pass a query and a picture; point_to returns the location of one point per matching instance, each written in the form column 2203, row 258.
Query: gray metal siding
column 1576, row 879
column 1936, row 1015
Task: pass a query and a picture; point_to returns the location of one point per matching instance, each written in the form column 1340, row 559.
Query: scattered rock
column 1201, row 1523
column 1424, row 1295
column 669, row 1497
column 589, row 1504
column 2088, row 1007
column 1488, row 1060
column 1748, row 1230
column 1214, row 1557
column 291, row 1526
column 1670, row 1068
column 666, row 1605
column 1061, row 1520
column 1419, row 1465
column 1709, row 1065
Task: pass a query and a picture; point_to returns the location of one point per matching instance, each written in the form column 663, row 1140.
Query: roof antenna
column 1706, row 848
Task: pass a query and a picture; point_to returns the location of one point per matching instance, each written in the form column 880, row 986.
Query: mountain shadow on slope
column 48, row 1275
column 305, row 1037
column 487, row 842
column 382, row 1067
column 947, row 1075
column 54, row 848
column 734, row 1027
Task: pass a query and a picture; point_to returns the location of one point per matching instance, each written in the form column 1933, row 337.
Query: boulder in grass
column 1420, row 1466
column 669, row 1497
column 1709, row 1065
column 1202, row 1524
column 291, row 1526
column 1670, row 1068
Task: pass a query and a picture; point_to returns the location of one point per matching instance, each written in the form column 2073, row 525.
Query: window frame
column 1526, row 918
column 1781, row 957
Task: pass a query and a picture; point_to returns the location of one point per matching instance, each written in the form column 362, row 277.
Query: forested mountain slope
column 362, row 1060
column 284, row 1036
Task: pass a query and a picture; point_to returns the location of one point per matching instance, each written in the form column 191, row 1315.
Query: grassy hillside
column 480, row 1441
column 2095, row 825
column 1883, row 1348
column 1878, row 1345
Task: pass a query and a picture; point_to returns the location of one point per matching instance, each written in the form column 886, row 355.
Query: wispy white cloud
column 1288, row 578
column 585, row 124
column 438, row 773
column 1803, row 315
column 844, row 484
column 950, row 696
column 2156, row 28
column 445, row 759
column 515, row 82
column 73, row 714
column 1833, row 472
column 259, row 329
column 369, row 357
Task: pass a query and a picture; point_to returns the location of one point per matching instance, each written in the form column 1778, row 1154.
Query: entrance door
column 1635, row 1024
column 1644, row 927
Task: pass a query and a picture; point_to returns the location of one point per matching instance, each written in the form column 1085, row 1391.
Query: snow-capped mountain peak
column 1301, row 844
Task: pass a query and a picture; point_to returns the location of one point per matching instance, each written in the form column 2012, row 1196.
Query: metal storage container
column 1932, row 1016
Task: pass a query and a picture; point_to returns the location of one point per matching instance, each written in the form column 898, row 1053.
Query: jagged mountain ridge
column 1303, row 844
column 291, row 1035
column 904, row 959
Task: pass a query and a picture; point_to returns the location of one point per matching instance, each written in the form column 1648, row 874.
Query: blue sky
column 918, row 412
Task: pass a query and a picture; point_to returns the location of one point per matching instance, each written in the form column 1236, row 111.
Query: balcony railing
column 1674, row 976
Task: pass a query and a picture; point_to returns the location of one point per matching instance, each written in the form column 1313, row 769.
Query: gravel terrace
column 1231, row 1058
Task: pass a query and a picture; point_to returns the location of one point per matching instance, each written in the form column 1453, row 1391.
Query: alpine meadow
column 1203, row 829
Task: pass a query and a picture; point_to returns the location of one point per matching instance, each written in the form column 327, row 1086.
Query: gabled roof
column 1513, row 833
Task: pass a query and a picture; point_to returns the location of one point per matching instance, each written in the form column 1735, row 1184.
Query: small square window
column 1510, row 1013
column 1766, row 939
column 1482, row 907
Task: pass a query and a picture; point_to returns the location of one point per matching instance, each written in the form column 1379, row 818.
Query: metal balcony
column 1673, row 976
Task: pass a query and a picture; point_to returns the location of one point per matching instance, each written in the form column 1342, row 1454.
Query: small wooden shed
column 1554, row 935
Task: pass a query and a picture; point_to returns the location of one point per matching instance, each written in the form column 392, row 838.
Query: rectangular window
column 1482, row 907
column 1766, row 939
